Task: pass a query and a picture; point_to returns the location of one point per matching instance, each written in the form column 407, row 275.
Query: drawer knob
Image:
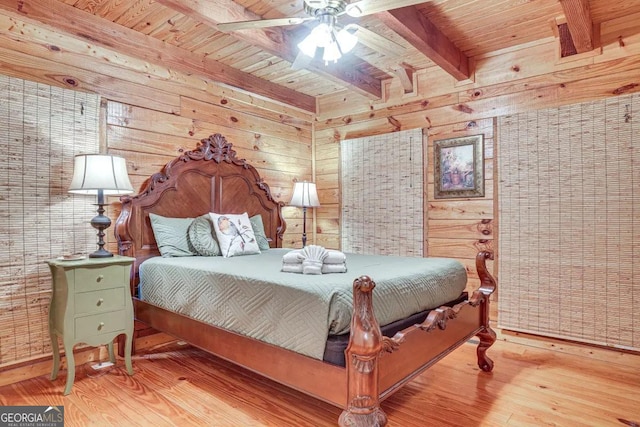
column 100, row 326
column 100, row 278
column 100, row 301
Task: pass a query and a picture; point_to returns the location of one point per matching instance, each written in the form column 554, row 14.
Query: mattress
column 337, row 344
column 251, row 296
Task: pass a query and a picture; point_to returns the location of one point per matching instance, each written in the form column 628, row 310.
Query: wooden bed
column 211, row 178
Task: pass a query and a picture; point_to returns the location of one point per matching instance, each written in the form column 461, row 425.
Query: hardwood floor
column 178, row 385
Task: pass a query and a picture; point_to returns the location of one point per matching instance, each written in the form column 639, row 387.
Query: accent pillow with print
column 235, row 234
column 258, row 230
column 172, row 235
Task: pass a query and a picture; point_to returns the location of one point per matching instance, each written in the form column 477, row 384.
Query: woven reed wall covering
column 41, row 129
column 570, row 222
column 382, row 194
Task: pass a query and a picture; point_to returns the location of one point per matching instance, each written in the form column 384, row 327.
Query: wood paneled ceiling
column 401, row 37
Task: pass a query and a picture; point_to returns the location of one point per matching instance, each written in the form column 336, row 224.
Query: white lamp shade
column 93, row 172
column 305, row 195
column 346, row 39
column 308, row 46
column 322, row 34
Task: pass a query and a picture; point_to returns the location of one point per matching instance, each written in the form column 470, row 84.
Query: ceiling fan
column 327, row 34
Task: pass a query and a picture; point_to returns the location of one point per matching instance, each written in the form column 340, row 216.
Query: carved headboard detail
column 209, row 178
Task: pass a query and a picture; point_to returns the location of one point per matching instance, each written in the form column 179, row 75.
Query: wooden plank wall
column 520, row 79
column 460, row 228
column 327, row 176
column 149, row 139
column 152, row 113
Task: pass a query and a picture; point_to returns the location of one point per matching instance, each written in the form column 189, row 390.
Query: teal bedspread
column 251, row 296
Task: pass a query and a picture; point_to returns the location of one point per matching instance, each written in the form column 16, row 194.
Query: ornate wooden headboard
column 209, row 178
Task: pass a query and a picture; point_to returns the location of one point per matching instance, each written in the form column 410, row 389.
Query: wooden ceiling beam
column 275, row 40
column 405, row 74
column 580, row 24
column 70, row 20
column 415, row 28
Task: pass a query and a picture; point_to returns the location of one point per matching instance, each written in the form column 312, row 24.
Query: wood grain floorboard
column 178, row 385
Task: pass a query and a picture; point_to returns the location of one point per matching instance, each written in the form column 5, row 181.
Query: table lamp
column 102, row 175
column 305, row 196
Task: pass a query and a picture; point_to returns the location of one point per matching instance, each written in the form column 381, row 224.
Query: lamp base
column 304, row 225
column 100, row 222
column 100, row 253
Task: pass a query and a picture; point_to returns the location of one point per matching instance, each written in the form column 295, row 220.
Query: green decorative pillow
column 258, row 230
column 203, row 237
column 235, row 235
column 172, row 235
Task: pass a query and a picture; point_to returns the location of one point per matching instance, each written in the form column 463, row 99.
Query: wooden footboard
column 377, row 365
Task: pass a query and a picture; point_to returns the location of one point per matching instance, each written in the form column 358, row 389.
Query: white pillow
column 235, row 234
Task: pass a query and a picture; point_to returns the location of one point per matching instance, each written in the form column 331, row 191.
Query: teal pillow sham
column 172, row 236
column 258, row 231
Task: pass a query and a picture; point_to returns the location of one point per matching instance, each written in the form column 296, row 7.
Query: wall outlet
column 101, row 365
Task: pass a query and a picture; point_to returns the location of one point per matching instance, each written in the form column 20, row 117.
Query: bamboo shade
column 41, row 129
column 569, row 212
column 382, row 194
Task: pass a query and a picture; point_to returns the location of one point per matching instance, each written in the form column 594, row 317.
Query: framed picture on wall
column 459, row 167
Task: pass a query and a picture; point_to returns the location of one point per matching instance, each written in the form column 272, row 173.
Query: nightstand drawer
column 90, row 326
column 87, row 279
column 99, row 301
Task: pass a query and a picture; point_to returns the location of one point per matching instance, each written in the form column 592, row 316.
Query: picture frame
column 459, row 167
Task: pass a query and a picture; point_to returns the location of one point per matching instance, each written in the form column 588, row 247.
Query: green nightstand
column 91, row 304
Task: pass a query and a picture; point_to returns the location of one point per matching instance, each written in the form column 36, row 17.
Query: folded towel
column 314, row 253
column 333, row 268
column 335, row 257
column 293, row 257
column 292, row 268
column 310, row 266
column 314, row 259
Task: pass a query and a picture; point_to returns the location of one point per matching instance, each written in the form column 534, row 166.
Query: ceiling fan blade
column 301, row 61
column 260, row 23
column 379, row 43
column 369, row 7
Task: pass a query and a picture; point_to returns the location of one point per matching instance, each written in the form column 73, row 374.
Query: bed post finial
column 362, row 356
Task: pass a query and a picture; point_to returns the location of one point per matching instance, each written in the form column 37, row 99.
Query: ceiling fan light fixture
column 331, row 53
column 308, row 46
column 322, row 34
column 325, row 35
column 346, row 39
